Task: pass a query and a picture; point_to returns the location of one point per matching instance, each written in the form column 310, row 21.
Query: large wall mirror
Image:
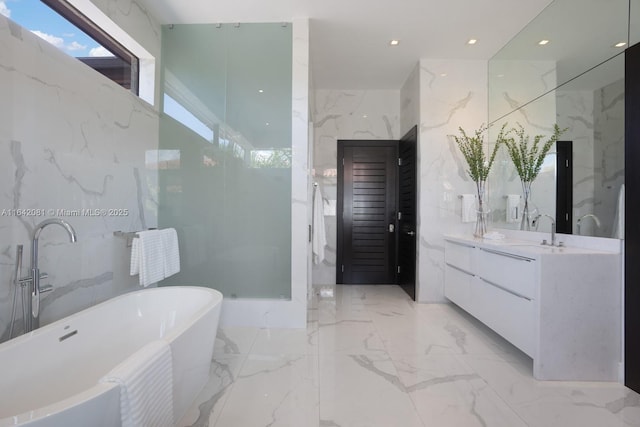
column 566, row 67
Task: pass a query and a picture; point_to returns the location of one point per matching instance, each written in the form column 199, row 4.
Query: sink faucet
column 33, row 303
column 595, row 219
column 536, row 222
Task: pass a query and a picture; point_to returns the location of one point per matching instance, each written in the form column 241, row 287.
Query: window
column 60, row 24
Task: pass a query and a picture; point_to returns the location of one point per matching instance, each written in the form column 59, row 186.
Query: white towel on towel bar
column 318, row 238
column 155, row 255
column 468, row 208
column 147, row 257
column 171, row 251
column 146, row 386
column 513, row 208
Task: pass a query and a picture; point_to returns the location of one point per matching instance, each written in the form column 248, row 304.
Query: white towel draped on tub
column 146, row 386
column 155, row 255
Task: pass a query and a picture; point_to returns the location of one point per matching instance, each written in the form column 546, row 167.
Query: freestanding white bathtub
column 51, row 376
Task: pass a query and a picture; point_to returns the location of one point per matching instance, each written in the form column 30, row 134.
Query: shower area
column 226, row 160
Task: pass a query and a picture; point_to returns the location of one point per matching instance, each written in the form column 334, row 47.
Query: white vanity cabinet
column 560, row 306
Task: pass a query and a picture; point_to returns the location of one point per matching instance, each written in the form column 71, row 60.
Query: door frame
column 632, row 229
column 342, row 143
column 564, row 187
column 405, row 279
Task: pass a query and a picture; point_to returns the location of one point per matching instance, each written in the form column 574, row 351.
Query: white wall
column 608, row 154
column 575, row 113
column 453, row 93
column 349, row 114
column 71, row 139
column 438, row 105
column 410, row 101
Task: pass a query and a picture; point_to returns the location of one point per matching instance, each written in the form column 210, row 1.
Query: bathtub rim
column 43, row 329
column 99, row 388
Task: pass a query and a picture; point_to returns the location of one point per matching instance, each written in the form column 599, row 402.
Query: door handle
column 392, row 228
column 411, row 233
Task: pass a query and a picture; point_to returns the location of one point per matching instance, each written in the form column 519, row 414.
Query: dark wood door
column 632, row 227
column 564, row 187
column 407, row 152
column 366, row 219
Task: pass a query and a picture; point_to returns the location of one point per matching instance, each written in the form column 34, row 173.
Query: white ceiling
column 349, row 39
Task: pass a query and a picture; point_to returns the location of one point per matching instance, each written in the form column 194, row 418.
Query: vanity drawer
column 511, row 272
column 457, row 286
column 511, row 316
column 459, row 255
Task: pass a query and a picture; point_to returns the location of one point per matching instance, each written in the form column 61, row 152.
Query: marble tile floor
column 372, row 357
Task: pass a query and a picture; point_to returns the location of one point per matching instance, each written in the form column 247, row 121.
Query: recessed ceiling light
column 364, row 116
column 394, row 42
column 443, row 74
column 267, row 123
column 543, row 42
column 472, row 41
column 621, row 44
column 260, row 90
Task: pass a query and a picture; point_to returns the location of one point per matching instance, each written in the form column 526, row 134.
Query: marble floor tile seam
column 473, row 330
column 226, row 392
column 557, row 398
column 469, row 374
column 399, row 379
column 210, row 408
column 264, row 374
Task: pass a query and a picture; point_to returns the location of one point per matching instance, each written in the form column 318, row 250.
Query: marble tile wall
column 70, row 140
column 439, row 104
column 576, row 113
column 337, row 114
column 452, row 93
column 595, row 122
column 608, row 153
column 136, row 21
column 410, row 101
column 514, row 83
column 517, row 88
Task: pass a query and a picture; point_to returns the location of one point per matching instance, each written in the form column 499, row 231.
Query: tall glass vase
column 481, row 210
column 525, row 223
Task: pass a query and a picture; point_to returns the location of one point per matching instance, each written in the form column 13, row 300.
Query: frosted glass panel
column 227, row 112
column 634, row 22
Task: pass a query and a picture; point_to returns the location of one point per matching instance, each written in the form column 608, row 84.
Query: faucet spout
column 73, row 237
column 34, row 280
column 596, row 220
column 553, row 226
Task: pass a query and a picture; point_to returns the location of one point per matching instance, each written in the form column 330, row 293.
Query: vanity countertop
column 560, row 305
column 525, row 248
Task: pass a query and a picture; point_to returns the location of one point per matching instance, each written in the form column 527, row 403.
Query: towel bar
column 129, row 235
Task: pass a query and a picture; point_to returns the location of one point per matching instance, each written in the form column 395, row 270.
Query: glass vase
column 481, row 210
column 525, row 223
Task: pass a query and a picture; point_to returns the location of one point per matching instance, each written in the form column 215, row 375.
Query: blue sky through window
column 43, row 21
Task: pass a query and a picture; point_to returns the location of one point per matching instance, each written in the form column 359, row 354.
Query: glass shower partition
column 224, row 158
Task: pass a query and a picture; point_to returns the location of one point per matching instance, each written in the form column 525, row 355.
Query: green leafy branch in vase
column 528, row 158
column 472, row 148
